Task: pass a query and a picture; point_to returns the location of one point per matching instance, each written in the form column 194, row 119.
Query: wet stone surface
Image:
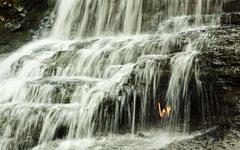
column 209, row 141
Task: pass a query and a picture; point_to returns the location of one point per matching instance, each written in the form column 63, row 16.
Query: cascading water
column 101, row 70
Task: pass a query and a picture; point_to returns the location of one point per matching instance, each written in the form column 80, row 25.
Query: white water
column 106, row 16
column 153, row 140
column 104, row 84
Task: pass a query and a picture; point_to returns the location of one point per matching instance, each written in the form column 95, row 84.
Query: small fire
column 165, row 111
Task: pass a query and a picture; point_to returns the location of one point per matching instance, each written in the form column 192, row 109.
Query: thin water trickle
column 97, row 73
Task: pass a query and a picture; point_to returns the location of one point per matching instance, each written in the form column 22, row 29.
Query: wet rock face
column 226, row 68
column 219, row 64
column 17, row 20
column 232, row 10
column 231, row 6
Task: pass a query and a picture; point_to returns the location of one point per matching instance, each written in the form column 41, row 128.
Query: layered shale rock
column 220, row 61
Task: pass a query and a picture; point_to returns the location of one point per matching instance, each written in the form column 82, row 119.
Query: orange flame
column 165, row 111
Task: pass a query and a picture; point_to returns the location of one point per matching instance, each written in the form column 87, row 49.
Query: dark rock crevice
column 18, row 21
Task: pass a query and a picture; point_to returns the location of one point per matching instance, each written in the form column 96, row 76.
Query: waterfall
column 101, row 70
column 77, row 18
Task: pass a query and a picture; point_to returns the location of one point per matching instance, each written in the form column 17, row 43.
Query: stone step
column 66, row 80
column 30, row 122
column 62, row 89
column 59, row 89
